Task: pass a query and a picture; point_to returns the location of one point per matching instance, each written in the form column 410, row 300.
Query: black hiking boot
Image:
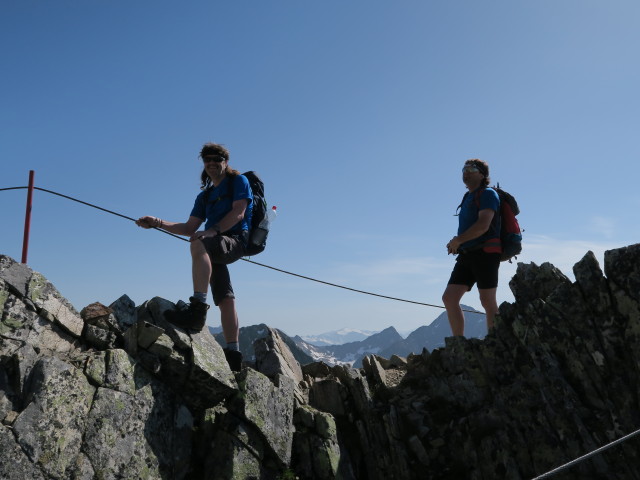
column 234, row 359
column 190, row 317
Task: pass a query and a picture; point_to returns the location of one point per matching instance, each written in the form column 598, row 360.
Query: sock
column 233, row 346
column 201, row 297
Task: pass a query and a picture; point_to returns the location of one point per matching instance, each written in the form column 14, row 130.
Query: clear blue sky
column 358, row 115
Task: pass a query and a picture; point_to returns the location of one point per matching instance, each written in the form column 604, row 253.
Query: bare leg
column 451, row 298
column 489, row 303
column 229, row 319
column 200, row 267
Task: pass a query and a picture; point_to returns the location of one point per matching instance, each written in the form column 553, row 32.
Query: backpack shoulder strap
column 476, row 196
column 231, row 179
column 230, row 190
column 461, row 202
column 207, row 194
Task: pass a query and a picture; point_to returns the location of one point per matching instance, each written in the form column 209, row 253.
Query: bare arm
column 190, row 227
column 187, row 228
column 235, row 215
column 474, row 231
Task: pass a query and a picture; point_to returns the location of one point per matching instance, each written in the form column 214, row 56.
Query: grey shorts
column 223, row 250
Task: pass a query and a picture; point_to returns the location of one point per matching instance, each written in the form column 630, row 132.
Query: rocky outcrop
column 118, row 392
column 249, row 334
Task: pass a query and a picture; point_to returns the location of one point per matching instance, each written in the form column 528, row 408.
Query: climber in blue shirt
column 224, row 206
column 477, row 246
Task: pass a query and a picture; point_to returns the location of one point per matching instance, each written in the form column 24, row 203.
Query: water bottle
column 260, row 235
column 270, row 217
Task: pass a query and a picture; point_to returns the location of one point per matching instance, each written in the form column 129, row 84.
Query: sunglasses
column 470, row 169
column 213, row 158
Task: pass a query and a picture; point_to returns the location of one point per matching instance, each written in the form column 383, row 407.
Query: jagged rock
column 273, row 357
column 99, row 337
column 124, row 309
column 147, row 334
column 50, row 428
column 621, row 268
column 374, row 369
column 532, row 281
column 37, row 295
column 397, row 361
column 317, row 449
column 162, row 347
column 557, row 378
column 316, row 370
column 329, row 395
column 238, row 451
column 145, row 430
column 232, row 459
column 40, row 294
column 269, row 408
column 14, row 462
column 97, row 314
column 125, row 313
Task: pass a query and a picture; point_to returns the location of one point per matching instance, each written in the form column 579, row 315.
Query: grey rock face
column 269, row 408
column 118, row 392
column 273, row 357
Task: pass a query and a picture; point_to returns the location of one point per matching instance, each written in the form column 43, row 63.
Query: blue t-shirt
column 472, row 204
column 218, row 203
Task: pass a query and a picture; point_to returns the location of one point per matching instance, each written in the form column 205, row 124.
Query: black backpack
column 257, row 235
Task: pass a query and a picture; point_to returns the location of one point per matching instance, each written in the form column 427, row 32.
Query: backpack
column 257, row 235
column 510, row 233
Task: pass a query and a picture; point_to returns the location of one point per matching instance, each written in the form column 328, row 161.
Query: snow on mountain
column 349, row 353
column 338, row 337
column 386, row 343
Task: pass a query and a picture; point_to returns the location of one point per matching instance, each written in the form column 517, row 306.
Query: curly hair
column 209, row 149
column 482, row 166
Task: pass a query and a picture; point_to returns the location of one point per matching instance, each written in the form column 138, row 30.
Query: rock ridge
column 117, row 392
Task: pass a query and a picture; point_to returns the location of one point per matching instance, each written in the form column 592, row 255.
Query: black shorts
column 476, row 266
column 223, row 250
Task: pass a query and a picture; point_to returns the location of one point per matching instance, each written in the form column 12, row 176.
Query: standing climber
column 225, row 204
column 477, row 246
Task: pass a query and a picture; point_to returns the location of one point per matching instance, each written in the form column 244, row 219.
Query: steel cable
column 245, row 259
column 540, row 477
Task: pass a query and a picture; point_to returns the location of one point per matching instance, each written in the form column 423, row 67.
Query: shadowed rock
column 119, row 392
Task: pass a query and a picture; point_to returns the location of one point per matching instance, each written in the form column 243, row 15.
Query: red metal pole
column 27, row 218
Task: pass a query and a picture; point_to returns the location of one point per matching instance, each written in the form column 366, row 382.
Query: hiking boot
column 191, row 317
column 234, row 359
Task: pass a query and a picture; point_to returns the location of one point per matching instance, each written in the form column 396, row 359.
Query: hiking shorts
column 478, row 267
column 223, row 250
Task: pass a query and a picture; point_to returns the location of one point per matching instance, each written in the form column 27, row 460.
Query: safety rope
column 540, row 477
column 245, row 259
column 585, row 457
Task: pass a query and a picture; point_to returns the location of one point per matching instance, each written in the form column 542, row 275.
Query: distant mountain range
column 351, row 352
column 338, row 337
column 385, row 343
column 432, row 336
